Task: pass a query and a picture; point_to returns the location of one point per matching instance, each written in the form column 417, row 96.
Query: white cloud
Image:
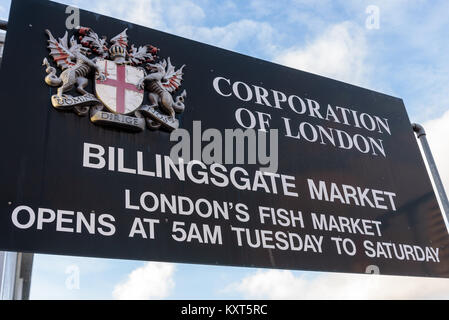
column 427, row 87
column 144, row 12
column 233, row 34
column 339, row 53
column 276, row 284
column 185, row 13
column 152, row 281
column 152, row 13
column 186, row 19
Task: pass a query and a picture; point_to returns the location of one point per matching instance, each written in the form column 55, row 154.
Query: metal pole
column 23, row 277
column 8, row 275
column 421, row 135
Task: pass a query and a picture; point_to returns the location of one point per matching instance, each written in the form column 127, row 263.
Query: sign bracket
column 421, row 135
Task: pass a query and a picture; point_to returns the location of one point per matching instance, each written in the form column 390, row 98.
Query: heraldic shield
column 119, row 91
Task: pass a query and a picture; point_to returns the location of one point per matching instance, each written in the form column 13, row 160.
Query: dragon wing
column 172, row 78
column 140, row 55
column 60, row 51
column 90, row 39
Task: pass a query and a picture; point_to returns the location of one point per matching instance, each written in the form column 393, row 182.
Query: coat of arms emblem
column 121, row 75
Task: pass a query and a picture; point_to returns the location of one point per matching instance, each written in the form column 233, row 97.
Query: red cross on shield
column 119, row 92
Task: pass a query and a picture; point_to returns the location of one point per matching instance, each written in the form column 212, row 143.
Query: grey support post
column 7, row 275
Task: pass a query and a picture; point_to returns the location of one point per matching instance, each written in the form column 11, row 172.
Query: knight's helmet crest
column 118, row 51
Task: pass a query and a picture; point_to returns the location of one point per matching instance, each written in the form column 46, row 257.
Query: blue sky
column 405, row 57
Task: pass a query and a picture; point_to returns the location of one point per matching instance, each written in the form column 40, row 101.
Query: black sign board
column 89, row 173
